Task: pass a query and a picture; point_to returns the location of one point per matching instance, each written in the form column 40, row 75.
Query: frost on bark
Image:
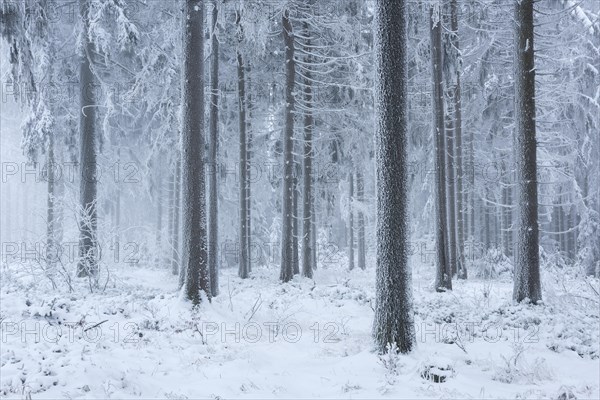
column 213, row 195
column 527, row 268
column 393, row 323
column 307, row 211
column 360, row 197
column 249, row 108
column 443, row 279
column 287, row 271
column 458, row 145
column 243, row 193
column 175, row 259
column 88, row 257
column 350, row 220
column 194, row 257
column 51, row 217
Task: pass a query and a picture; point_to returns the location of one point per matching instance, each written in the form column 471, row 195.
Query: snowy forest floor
column 263, row 339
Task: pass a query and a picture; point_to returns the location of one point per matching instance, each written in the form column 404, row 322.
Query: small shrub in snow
column 436, row 373
column 565, row 393
column 516, row 369
column 391, row 362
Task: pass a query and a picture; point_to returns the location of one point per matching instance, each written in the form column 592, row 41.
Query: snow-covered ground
column 263, row 339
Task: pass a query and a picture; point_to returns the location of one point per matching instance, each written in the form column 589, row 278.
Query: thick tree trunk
column 527, row 269
column 360, row 196
column 213, row 145
column 307, row 210
column 443, row 280
column 393, row 322
column 194, row 203
column 458, row 147
column 243, row 242
column 88, row 257
column 287, row 267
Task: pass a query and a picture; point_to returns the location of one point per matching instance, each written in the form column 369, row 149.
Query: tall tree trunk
column 393, row 322
column 194, row 203
column 443, row 280
column 117, row 222
column 350, row 219
column 360, row 196
column 527, row 269
column 171, row 215
column 458, row 146
column 287, row 267
column 307, row 210
column 249, row 107
column 314, row 231
column 243, row 243
column 176, row 264
column 88, row 257
column 295, row 219
column 450, row 191
column 213, row 145
column 159, row 209
column 51, row 243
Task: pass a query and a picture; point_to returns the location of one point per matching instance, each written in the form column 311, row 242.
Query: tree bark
column 443, row 280
column 243, row 243
column 194, row 202
column 360, row 195
column 213, row 145
column 458, row 144
column 393, row 323
column 527, row 269
column 51, row 252
column 176, row 265
column 307, row 211
column 350, row 220
column 249, row 107
column 287, row 271
column 88, row 257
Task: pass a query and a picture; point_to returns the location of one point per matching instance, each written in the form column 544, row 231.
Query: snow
column 263, row 339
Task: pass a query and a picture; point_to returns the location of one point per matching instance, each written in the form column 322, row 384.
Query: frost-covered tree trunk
column 295, row 216
column 287, row 267
column 527, row 269
column 350, row 220
column 194, row 257
column 88, row 262
column 360, row 197
column 159, row 210
column 213, row 145
column 443, row 279
column 249, row 107
column 51, row 217
column 307, row 176
column 243, row 193
column 450, row 190
column 313, row 239
column 176, row 265
column 170, row 215
column 458, row 146
column 117, row 218
column 393, row 323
